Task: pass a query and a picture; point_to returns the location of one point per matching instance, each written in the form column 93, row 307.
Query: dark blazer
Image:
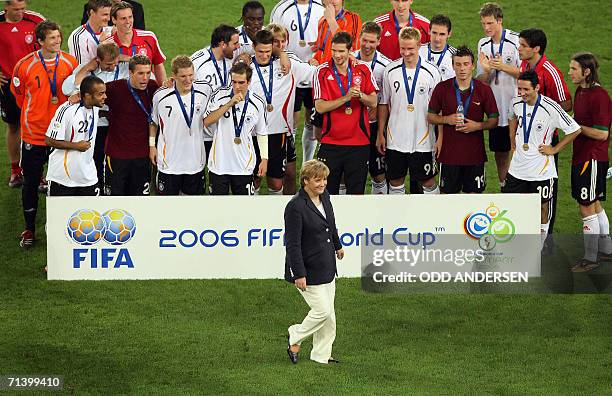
column 311, row 240
column 137, row 11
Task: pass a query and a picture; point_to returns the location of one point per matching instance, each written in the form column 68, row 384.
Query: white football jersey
column 530, row 164
column 280, row 119
column 246, row 45
column 227, row 157
column 377, row 66
column 180, row 148
column 505, row 88
column 409, row 131
column 442, row 59
column 73, row 168
column 285, row 13
column 83, row 44
column 121, row 72
column 206, row 71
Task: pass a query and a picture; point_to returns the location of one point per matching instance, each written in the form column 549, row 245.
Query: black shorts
column 291, row 154
column 499, row 139
column 277, row 155
column 127, row 176
column 422, row 166
column 8, row 106
column 377, row 160
column 59, row 190
column 589, row 182
column 303, row 96
column 518, row 186
column 167, row 184
column 462, row 178
column 350, row 162
column 238, row 184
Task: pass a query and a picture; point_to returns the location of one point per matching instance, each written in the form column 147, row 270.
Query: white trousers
column 320, row 321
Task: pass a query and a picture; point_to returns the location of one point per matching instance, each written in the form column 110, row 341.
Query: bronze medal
column 525, row 147
column 348, row 111
column 410, row 107
column 302, row 43
column 54, row 100
column 270, row 108
column 237, row 140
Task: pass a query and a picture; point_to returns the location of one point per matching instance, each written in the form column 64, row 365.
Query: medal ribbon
column 53, row 83
column 527, row 129
column 93, row 34
column 430, row 58
column 397, row 25
column 238, row 127
column 222, row 78
column 501, row 49
column 466, row 105
column 301, row 27
column 374, row 59
column 410, row 91
column 339, row 81
column 189, row 119
column 268, row 90
column 139, row 101
column 339, row 16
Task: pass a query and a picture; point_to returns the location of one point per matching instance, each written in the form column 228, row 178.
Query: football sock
column 435, row 189
column 399, row 190
column 590, row 230
column 605, row 243
column 379, row 187
column 309, row 143
column 543, row 233
column 275, row 192
column 15, row 168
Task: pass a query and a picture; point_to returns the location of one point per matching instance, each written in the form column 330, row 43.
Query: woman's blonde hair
column 313, row 169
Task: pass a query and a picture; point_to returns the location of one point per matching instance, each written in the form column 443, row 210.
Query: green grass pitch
column 228, row 336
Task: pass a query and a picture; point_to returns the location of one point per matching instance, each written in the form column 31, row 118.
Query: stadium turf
column 228, row 336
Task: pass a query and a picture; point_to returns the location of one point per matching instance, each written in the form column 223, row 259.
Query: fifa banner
column 386, row 238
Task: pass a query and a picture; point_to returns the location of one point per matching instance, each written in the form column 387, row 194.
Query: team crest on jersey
column 442, row 70
column 508, row 59
column 357, row 80
column 160, row 186
column 278, row 75
column 142, row 51
column 539, row 126
column 248, row 119
column 29, row 38
column 16, row 82
column 422, row 90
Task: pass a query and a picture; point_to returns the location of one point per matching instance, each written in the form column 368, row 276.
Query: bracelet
column 151, row 141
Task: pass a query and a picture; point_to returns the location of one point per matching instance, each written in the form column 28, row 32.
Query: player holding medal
column 234, row 115
column 343, row 93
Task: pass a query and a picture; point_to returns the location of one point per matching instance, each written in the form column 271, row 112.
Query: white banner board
column 242, row 237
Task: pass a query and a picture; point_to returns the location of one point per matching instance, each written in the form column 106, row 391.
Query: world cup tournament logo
column 489, row 227
column 88, row 227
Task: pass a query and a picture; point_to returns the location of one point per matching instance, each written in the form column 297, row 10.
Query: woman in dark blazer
column 312, row 246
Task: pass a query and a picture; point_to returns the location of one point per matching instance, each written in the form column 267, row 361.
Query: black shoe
column 332, row 360
column 293, row 356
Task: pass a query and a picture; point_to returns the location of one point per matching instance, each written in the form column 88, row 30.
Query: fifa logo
column 115, row 227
